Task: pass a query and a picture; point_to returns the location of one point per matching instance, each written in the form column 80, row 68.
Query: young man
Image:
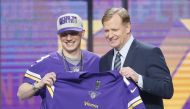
column 42, row 74
column 144, row 64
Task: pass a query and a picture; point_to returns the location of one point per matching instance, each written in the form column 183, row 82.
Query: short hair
column 122, row 12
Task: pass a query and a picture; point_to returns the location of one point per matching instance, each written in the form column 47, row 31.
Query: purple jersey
column 55, row 63
column 95, row 91
column 82, row 90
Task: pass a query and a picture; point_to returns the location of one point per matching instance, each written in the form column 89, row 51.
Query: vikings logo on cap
column 69, row 21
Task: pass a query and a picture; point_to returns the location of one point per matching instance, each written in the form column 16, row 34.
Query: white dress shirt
column 124, row 51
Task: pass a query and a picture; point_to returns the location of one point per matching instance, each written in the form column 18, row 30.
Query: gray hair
column 122, row 12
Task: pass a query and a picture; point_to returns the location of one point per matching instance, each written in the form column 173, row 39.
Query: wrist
column 35, row 86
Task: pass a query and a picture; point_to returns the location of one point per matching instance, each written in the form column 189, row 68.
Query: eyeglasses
column 72, row 33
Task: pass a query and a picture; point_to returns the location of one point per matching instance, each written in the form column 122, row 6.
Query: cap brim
column 68, row 29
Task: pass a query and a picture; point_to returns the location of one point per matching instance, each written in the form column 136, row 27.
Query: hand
column 129, row 73
column 48, row 79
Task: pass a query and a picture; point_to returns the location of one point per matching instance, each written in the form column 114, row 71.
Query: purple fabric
column 55, row 63
column 93, row 90
column 87, row 89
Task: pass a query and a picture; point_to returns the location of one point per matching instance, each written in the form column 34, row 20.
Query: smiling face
column 116, row 32
column 71, row 40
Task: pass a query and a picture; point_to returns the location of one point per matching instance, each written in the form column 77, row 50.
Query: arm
column 157, row 79
column 27, row 90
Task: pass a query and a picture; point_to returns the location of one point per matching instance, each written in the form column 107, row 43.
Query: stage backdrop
column 28, row 31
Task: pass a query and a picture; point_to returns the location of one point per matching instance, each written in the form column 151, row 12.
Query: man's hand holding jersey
column 129, row 73
column 48, row 79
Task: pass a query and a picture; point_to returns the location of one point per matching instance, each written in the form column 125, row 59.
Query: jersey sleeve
column 36, row 71
column 134, row 98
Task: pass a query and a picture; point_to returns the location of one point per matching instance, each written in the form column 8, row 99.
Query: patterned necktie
column 117, row 62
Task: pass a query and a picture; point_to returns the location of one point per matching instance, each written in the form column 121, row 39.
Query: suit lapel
column 109, row 59
column 131, row 54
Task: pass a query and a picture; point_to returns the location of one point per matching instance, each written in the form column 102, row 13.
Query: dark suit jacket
column 148, row 61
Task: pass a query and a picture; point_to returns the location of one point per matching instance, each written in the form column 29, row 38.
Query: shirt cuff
column 140, row 82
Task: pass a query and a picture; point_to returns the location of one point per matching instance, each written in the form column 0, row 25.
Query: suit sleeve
column 157, row 80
